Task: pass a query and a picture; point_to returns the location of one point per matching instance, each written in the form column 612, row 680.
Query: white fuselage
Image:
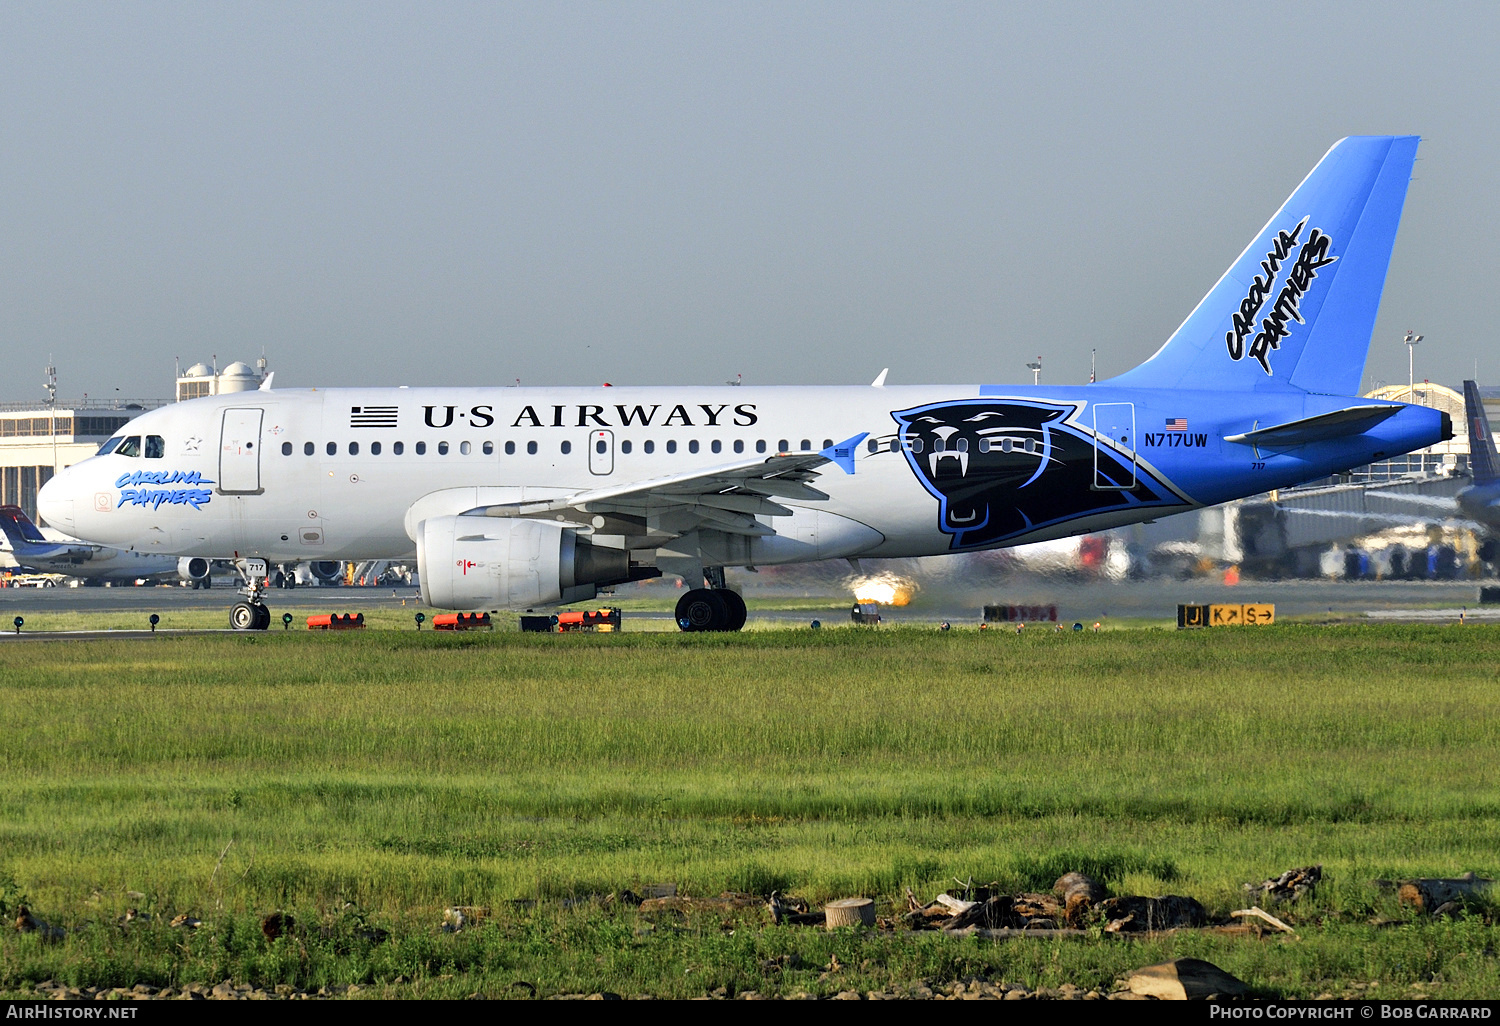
column 321, row 481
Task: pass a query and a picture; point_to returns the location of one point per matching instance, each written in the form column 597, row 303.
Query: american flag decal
column 1176, row 423
column 372, row 416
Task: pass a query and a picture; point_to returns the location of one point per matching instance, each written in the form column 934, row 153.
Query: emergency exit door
column 239, row 452
column 1114, row 446
column 601, row 452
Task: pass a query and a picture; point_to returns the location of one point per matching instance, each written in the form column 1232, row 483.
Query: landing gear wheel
column 735, row 607
column 702, row 610
column 249, row 616
column 242, row 616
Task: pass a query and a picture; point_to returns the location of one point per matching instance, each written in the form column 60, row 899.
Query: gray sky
column 641, row 193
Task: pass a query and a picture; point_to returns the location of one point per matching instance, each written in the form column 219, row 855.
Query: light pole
column 1411, row 366
column 1036, row 371
column 51, row 386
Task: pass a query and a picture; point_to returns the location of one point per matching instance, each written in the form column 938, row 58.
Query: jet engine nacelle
column 326, row 569
column 194, row 568
column 478, row 562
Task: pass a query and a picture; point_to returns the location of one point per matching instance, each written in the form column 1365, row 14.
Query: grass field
column 404, row 772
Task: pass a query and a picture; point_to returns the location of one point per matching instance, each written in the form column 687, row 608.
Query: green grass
column 405, row 772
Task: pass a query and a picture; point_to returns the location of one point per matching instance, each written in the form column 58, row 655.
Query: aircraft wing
column 726, row 498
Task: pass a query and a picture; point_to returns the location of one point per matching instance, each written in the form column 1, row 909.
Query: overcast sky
column 675, row 193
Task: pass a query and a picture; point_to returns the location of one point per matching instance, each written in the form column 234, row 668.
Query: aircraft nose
column 54, row 504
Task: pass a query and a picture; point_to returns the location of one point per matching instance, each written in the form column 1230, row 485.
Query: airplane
column 30, row 549
column 1476, row 505
column 521, row 497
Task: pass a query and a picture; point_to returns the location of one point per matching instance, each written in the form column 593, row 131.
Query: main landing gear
column 715, row 608
column 250, row 613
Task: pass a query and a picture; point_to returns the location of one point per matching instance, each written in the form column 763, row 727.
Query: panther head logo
column 1000, row 469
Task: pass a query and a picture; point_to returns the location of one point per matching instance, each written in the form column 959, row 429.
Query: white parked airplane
column 516, row 497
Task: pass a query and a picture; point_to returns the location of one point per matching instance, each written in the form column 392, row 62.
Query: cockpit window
column 156, row 447
column 109, row 446
column 130, row 446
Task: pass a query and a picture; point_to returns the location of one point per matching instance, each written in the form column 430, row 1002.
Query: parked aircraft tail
column 18, row 527
column 1484, row 463
column 1297, row 307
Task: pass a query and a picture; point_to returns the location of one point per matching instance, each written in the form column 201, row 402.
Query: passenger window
column 783, row 446
column 601, row 447
column 760, row 445
column 963, row 445
column 567, row 447
column 130, row 447
column 489, row 448
column 716, row 445
column 464, row 448
column 156, row 447
column 939, row 446
column 308, row 448
column 1005, row 445
column 828, row 443
column 286, row 448
column 693, row 445
column 895, row 445
column 510, row 448
column 915, row 445
column 397, row 448
column 650, row 447
column 672, row 445
column 806, row 445
column 353, row 448
column 531, row 448
column 109, row 446
column 984, row 445
column 872, row 445
column 442, row 448
column 374, row 448
column 625, row 446
column 333, row 448
column 739, row 445
column 421, row 448
column 1031, row 445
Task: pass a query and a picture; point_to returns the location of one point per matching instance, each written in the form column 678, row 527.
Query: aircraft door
column 601, row 452
column 1114, row 446
column 239, row 453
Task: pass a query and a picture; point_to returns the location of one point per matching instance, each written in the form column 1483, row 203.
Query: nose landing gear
column 250, row 613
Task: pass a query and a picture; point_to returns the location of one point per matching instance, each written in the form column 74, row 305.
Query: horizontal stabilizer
column 1339, row 424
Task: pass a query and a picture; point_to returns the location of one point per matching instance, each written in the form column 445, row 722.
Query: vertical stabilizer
column 1297, row 307
column 18, row 527
column 1484, row 464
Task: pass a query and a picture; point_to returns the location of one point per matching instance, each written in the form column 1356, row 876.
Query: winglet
column 265, row 386
column 842, row 453
column 879, row 381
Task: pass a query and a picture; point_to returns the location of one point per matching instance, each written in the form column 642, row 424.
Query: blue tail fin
column 1484, row 463
column 18, row 526
column 1298, row 306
